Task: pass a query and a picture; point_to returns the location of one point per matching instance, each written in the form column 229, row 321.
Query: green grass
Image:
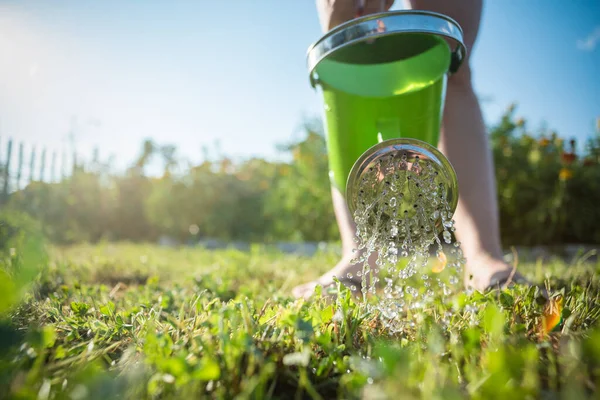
column 147, row 322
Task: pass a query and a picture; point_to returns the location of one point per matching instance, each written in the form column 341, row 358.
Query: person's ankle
column 347, row 264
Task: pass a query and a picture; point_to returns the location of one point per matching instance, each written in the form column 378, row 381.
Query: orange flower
column 588, row 162
column 544, row 142
column 565, row 174
column 551, row 316
column 441, row 263
column 568, row 158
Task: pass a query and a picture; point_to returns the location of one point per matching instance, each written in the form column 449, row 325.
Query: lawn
column 137, row 321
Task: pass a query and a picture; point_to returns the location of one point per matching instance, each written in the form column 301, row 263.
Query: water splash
column 401, row 212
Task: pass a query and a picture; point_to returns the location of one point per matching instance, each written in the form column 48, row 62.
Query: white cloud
column 590, row 42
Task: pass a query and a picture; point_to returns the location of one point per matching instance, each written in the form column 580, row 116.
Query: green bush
column 300, row 203
column 22, row 253
column 548, row 194
column 219, row 200
column 15, row 227
column 75, row 210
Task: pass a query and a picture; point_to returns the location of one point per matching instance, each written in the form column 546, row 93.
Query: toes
column 306, row 290
column 303, row 290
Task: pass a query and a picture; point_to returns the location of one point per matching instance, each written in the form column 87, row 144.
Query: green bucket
column 383, row 77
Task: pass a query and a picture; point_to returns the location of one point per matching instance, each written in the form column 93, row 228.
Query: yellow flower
column 534, row 156
column 565, row 174
column 441, row 263
column 285, row 170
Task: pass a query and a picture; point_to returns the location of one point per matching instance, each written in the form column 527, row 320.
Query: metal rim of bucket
column 396, row 22
column 401, row 144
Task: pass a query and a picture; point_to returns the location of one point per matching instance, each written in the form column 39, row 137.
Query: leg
column 331, row 14
column 345, row 266
column 464, row 141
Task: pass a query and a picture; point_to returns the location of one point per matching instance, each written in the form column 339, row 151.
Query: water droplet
column 349, row 275
column 447, row 237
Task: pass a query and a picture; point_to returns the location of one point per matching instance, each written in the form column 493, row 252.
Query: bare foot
column 345, row 271
column 488, row 273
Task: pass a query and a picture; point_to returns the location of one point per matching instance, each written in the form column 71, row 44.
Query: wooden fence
column 22, row 164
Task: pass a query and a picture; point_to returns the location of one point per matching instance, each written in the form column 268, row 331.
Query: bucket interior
column 388, row 66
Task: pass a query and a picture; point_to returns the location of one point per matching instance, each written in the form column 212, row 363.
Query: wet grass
column 133, row 321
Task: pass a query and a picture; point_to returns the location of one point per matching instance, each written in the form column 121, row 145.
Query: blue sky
column 192, row 72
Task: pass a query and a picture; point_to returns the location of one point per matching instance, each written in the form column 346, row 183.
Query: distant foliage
column 300, row 203
column 548, row 194
column 254, row 200
column 216, row 200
